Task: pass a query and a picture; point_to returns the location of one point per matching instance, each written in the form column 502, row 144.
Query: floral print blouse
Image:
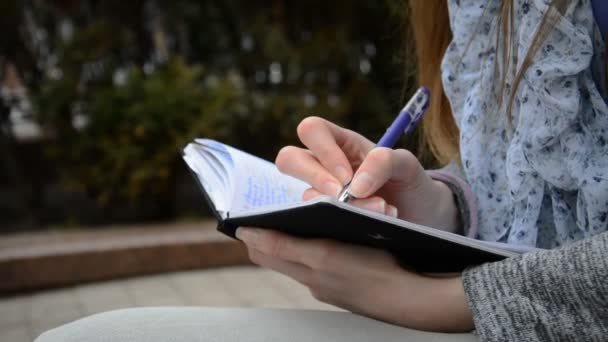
column 541, row 178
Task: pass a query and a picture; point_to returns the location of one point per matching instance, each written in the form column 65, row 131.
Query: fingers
column 312, row 253
column 382, row 165
column 295, row 271
column 301, row 164
column 333, row 152
column 316, row 255
column 377, row 204
column 336, row 148
column 310, row 194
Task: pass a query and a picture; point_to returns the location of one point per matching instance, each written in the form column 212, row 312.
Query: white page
column 209, row 178
column 221, row 160
column 221, row 171
column 510, row 247
column 258, row 183
column 224, row 152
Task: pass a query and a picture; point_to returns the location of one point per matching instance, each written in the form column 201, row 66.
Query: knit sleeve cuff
column 465, row 199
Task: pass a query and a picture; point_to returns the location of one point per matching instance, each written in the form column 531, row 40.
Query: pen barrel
column 407, row 119
column 395, row 130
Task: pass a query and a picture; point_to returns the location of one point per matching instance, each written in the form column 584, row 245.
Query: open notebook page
column 210, row 174
column 256, row 182
column 237, row 181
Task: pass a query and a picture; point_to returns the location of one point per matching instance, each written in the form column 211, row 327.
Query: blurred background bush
column 98, row 97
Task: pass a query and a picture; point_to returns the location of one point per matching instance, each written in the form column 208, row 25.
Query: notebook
column 244, row 190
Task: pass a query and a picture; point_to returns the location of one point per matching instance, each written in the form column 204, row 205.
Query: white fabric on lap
column 208, row 324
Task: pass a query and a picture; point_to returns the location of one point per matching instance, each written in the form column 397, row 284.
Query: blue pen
column 406, row 121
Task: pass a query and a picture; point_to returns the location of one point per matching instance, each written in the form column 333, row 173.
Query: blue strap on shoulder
column 600, row 11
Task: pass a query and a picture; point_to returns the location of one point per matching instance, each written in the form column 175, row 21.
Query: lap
column 236, row 324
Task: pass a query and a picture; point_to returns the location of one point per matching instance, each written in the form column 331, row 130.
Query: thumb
column 382, row 165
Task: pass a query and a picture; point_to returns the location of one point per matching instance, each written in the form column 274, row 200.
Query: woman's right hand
column 385, row 180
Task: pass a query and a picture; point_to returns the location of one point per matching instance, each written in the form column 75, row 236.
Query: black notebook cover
column 418, row 250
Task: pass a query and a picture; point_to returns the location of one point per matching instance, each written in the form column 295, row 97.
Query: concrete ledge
column 34, row 261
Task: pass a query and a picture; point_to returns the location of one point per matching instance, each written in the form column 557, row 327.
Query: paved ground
column 22, row 318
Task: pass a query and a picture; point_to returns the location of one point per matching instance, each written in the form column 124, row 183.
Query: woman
column 524, row 116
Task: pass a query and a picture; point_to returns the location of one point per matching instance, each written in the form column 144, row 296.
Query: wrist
column 440, row 306
column 451, row 309
column 447, row 213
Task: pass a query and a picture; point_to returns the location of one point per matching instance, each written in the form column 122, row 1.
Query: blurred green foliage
column 126, row 84
column 134, row 131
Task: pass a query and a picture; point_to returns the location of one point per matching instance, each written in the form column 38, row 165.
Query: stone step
column 47, row 259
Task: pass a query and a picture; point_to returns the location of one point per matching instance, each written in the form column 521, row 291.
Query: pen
column 404, row 123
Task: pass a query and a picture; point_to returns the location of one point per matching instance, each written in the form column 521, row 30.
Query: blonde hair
column 432, row 35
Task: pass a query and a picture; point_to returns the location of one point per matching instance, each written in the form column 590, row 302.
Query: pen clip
column 416, row 107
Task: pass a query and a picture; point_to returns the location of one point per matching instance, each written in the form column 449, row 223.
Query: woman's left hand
column 363, row 280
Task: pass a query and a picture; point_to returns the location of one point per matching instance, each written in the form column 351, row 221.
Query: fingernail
column 331, row 188
column 342, row 174
column 392, row 211
column 247, row 235
column 361, row 184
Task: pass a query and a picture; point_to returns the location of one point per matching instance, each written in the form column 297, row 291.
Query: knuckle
column 309, row 194
column 324, row 295
column 407, row 161
column 284, row 157
column 406, row 155
column 278, row 246
column 308, row 125
column 317, row 293
column 326, row 256
column 318, row 180
column 253, row 256
column 380, row 157
column 325, row 154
